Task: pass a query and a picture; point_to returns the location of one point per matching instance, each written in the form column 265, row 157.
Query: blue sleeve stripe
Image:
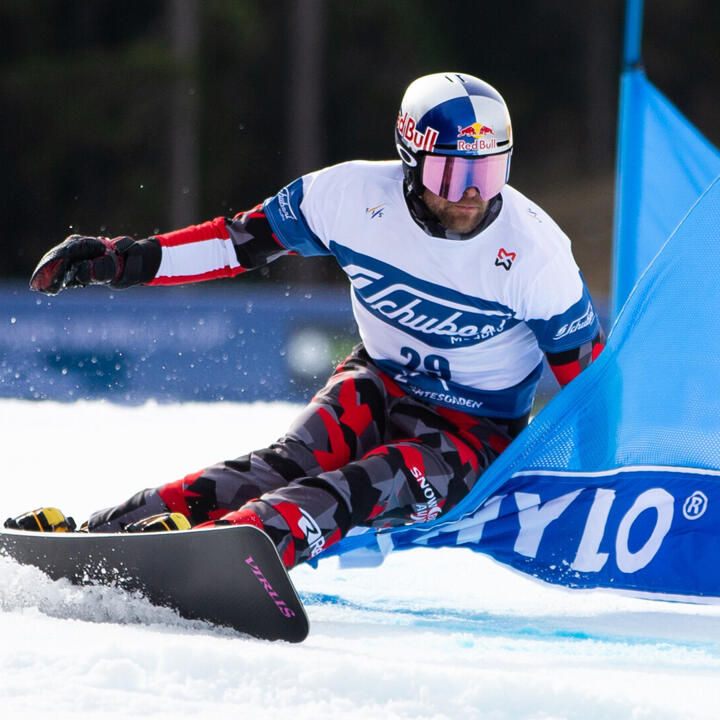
column 289, row 224
column 577, row 325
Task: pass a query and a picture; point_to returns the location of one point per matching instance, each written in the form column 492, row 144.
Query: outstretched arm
column 223, row 247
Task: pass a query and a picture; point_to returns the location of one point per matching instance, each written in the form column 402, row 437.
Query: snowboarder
column 459, row 285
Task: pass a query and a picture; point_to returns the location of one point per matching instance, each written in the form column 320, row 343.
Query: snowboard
column 230, row 576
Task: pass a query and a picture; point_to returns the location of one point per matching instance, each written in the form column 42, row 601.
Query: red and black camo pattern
column 362, row 453
column 566, row 366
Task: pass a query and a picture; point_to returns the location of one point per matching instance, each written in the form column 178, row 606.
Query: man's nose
column 471, row 193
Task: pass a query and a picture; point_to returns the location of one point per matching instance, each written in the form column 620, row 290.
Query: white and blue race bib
column 458, row 323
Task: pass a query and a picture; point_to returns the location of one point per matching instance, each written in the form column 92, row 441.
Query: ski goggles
column 449, row 176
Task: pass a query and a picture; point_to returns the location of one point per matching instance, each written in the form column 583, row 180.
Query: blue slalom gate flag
column 664, row 165
column 616, row 483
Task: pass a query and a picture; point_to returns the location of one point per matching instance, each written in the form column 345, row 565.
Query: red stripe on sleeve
column 195, row 233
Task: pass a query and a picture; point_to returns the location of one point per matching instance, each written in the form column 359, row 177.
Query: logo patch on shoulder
column 285, row 206
column 376, row 211
column 504, row 259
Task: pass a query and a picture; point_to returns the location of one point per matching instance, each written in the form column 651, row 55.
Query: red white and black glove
column 80, row 261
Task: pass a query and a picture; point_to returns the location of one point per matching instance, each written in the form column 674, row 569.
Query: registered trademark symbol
column 695, row 505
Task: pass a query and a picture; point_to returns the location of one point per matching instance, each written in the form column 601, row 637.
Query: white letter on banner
column 534, row 519
column 588, row 559
column 473, row 532
column 662, row 501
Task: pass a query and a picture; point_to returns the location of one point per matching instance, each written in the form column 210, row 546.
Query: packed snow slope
column 429, row 634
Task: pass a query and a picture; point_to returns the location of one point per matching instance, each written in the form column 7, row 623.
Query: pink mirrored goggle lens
column 450, row 176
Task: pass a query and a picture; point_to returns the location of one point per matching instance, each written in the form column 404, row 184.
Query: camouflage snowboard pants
column 363, row 452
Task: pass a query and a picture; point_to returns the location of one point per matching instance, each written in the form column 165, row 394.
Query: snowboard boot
column 45, row 519
column 159, row 523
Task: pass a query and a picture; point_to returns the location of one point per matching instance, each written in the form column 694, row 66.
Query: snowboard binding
column 46, row 519
column 161, row 522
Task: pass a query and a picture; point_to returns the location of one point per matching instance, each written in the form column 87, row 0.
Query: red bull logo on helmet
column 479, row 142
column 476, row 130
column 424, row 141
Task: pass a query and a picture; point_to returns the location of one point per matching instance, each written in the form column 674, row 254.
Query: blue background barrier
column 172, row 344
column 200, row 343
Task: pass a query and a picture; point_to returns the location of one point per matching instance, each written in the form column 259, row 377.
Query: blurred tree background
column 142, row 116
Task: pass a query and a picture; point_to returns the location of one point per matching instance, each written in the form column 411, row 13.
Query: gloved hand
column 79, row 261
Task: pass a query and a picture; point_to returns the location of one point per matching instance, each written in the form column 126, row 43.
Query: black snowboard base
column 230, row 576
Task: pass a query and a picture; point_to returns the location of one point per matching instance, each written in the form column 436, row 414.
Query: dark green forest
column 145, row 115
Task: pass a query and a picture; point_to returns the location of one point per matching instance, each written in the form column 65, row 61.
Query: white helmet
column 453, row 132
